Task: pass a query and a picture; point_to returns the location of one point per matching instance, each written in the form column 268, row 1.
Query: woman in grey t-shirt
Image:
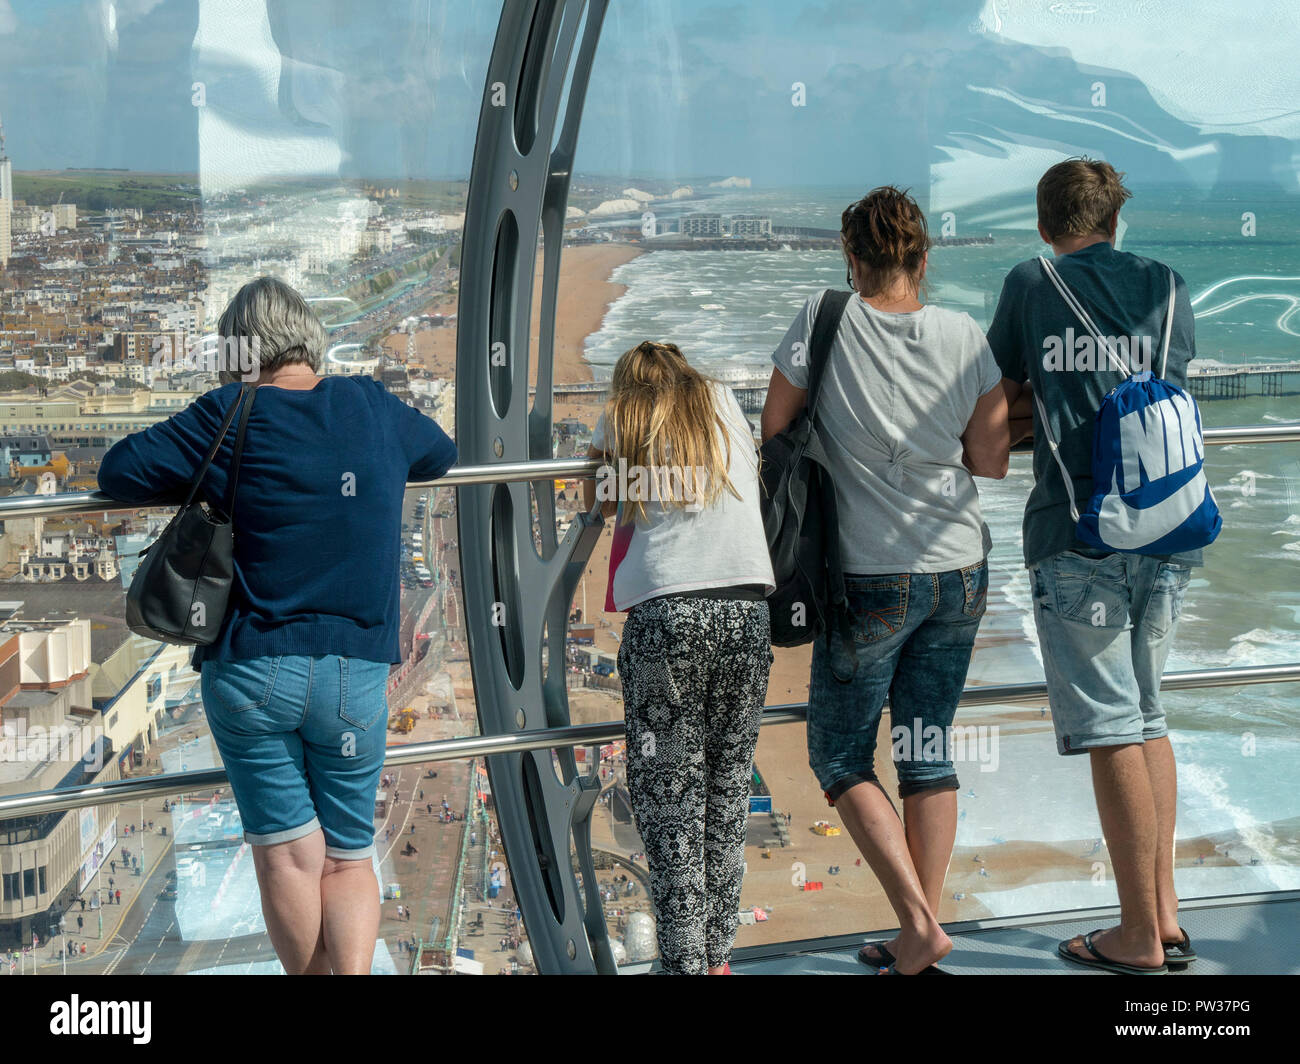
column 911, row 408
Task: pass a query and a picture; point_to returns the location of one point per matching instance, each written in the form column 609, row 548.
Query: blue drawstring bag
column 1150, row 494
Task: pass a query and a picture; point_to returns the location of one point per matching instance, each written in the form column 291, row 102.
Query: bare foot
column 916, row 951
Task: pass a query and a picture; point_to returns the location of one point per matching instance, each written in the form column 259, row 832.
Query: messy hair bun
column 887, row 234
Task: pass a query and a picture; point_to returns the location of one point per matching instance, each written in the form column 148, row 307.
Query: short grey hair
column 276, row 322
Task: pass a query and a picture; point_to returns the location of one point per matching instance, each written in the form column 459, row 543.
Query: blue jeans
column 302, row 739
column 1105, row 626
column 912, row 634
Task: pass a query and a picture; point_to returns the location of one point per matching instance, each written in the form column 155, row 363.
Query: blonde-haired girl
column 690, row 566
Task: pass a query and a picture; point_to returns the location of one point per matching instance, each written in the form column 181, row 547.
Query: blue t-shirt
column 1035, row 336
column 317, row 515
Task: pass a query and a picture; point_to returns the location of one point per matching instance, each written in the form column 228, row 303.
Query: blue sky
column 961, row 93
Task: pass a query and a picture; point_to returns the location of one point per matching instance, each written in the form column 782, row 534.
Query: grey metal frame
column 517, row 470
column 515, row 593
column 75, row 502
column 572, row 735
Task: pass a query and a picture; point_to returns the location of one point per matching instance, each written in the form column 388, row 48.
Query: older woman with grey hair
column 295, row 683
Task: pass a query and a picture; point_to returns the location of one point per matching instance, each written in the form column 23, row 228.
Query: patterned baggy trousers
column 694, row 674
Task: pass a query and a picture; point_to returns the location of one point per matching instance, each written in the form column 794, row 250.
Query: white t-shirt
column 675, row 549
column 898, row 393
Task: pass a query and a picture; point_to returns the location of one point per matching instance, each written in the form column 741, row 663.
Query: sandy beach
column 585, row 293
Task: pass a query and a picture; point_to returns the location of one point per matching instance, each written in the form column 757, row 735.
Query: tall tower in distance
column 6, row 202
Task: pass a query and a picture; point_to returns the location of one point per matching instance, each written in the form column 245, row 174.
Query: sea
column 1238, row 748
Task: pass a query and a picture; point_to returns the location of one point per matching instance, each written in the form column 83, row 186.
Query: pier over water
column 1239, row 382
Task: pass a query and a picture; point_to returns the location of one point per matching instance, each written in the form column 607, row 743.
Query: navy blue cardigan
column 318, row 510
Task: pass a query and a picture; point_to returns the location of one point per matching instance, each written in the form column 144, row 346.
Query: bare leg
column 875, row 827
column 349, row 903
column 930, row 823
column 289, row 877
column 1163, row 774
column 1128, row 820
column 930, row 820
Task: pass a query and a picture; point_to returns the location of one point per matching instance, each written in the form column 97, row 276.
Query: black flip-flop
column 1180, row 952
column 931, row 970
column 886, row 960
column 1102, row 961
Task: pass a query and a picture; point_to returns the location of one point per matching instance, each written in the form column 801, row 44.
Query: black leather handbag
column 180, row 590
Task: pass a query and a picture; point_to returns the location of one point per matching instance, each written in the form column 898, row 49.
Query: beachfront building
column 703, row 224
column 6, row 202
column 754, row 226
column 50, row 736
column 6, row 233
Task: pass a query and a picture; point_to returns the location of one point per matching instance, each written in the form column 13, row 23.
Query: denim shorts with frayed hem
column 1106, row 622
column 912, row 634
column 302, row 739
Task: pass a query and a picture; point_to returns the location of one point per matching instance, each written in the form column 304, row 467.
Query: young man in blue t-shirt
column 1105, row 620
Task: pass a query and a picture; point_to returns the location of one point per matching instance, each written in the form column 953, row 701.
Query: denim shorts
column 1105, row 625
column 913, row 634
column 302, row 739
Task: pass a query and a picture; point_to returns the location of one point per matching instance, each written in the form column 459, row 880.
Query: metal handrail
column 66, row 798
column 508, row 472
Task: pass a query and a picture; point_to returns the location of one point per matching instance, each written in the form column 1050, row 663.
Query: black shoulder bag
column 799, row 511
column 180, row 590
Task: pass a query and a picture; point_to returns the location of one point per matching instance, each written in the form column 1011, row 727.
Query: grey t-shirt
column 1127, row 297
column 897, row 395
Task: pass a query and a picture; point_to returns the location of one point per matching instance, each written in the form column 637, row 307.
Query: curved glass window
column 720, row 144
column 154, row 157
